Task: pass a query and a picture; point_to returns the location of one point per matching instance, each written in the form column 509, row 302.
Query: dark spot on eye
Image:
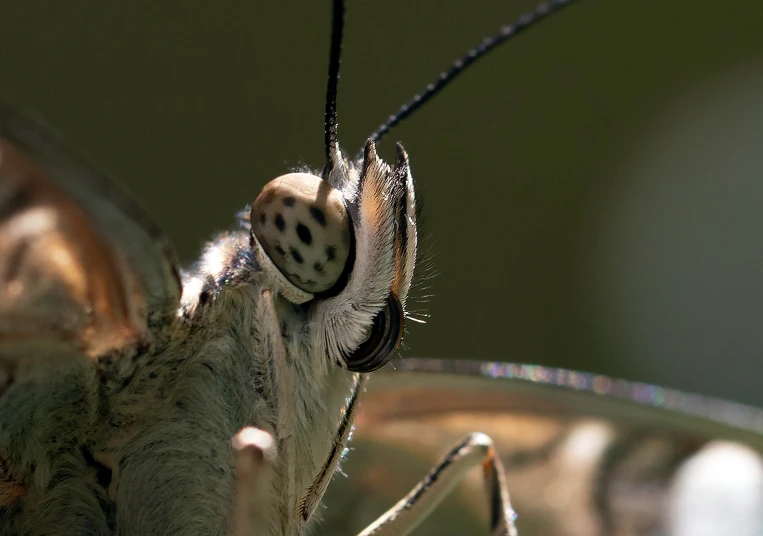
column 297, row 277
column 318, row 215
column 263, row 218
column 289, row 201
column 152, row 375
column 318, row 267
column 180, row 404
column 330, row 253
column 280, row 223
column 280, row 251
column 304, row 234
column 297, row 255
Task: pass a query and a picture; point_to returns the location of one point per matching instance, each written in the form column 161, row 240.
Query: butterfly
column 125, row 379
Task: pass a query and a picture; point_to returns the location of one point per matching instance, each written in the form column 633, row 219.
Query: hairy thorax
column 172, row 412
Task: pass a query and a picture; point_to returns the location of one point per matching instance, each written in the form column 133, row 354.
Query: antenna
column 461, row 64
column 335, row 58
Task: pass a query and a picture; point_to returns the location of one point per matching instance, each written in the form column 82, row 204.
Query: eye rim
column 349, row 264
column 383, row 341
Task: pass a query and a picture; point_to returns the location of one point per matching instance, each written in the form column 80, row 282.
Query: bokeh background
column 593, row 190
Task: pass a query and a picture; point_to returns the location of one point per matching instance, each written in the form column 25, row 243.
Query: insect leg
column 318, row 488
column 253, row 449
column 476, row 449
column 276, row 365
column 281, row 378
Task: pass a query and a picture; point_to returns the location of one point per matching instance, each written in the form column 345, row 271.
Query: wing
column 583, row 454
column 80, row 260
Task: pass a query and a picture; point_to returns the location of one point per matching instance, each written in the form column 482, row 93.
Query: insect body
column 136, row 399
column 124, row 382
column 146, row 386
column 149, row 398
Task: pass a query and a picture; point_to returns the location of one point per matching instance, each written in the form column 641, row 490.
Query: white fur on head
column 381, row 203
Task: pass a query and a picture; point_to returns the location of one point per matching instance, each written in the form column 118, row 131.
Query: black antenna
column 461, row 64
column 335, row 58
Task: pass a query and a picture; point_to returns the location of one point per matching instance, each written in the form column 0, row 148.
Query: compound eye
column 385, row 337
column 302, row 224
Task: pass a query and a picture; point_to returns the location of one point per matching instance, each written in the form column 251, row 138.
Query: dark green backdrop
column 591, row 190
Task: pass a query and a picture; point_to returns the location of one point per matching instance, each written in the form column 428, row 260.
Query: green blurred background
column 593, row 191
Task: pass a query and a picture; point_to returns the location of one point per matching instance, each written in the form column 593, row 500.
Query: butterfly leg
column 474, row 450
column 253, row 449
column 318, row 488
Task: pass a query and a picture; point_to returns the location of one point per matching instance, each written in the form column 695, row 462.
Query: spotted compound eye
column 302, row 224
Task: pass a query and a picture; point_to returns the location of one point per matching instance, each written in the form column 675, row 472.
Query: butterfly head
column 344, row 246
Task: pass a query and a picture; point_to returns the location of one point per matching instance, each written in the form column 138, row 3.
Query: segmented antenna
column 462, row 63
column 335, row 58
